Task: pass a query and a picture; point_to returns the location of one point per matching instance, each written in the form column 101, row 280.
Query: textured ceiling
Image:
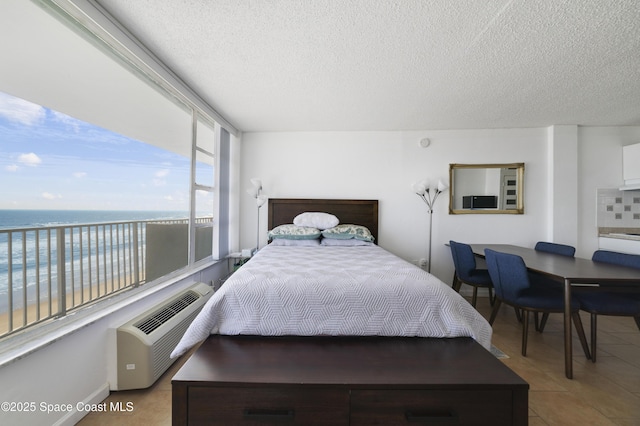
column 280, row 65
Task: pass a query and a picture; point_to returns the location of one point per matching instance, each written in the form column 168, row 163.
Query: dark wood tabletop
column 561, row 268
column 570, row 272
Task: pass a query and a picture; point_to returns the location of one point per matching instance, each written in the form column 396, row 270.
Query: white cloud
column 21, row 111
column 12, row 168
column 69, row 121
column 49, row 196
column 159, row 177
column 79, row 175
column 29, row 159
column 168, row 197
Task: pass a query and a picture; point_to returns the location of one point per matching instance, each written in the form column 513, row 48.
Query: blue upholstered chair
column 511, row 284
column 555, row 248
column 615, row 258
column 539, row 280
column 466, row 272
column 610, row 303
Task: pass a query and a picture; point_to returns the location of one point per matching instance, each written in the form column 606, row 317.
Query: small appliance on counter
column 479, row 202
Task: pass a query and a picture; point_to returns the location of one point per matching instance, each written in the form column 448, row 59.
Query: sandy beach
column 46, row 310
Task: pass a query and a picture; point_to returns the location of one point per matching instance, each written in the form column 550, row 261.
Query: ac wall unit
column 144, row 344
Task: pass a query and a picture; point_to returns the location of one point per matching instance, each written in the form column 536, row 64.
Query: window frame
column 92, row 21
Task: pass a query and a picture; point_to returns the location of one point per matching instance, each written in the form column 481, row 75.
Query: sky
column 49, row 160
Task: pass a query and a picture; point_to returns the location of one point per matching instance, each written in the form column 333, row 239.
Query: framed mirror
column 486, row 188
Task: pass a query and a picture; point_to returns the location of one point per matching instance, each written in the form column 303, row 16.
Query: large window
column 57, row 162
column 203, row 188
column 90, row 134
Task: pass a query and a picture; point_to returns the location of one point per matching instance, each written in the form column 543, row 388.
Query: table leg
column 568, row 352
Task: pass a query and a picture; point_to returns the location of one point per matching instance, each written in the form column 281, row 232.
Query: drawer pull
column 432, row 417
column 269, row 415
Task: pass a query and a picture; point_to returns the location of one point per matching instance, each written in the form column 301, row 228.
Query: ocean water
column 43, row 218
column 20, row 219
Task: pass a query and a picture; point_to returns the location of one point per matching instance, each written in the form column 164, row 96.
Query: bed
column 340, row 335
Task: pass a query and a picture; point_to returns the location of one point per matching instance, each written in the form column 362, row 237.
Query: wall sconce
column 429, row 196
column 256, row 192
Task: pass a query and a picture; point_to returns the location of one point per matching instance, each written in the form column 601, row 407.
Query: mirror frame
column 520, row 188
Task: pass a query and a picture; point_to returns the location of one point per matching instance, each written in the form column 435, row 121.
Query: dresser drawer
column 259, row 406
column 397, row 407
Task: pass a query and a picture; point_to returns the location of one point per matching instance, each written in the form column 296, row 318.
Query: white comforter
column 336, row 291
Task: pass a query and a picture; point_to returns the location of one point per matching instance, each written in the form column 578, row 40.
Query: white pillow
column 316, row 220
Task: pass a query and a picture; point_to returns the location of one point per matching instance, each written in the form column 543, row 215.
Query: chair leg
column 494, row 312
column 518, row 314
column 474, row 298
column 583, row 339
column 594, row 331
column 525, row 331
column 455, row 283
column 492, row 297
column 543, row 322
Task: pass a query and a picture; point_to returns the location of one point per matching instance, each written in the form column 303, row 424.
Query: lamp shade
column 256, row 188
column 260, row 200
column 421, row 187
column 442, row 186
column 257, row 184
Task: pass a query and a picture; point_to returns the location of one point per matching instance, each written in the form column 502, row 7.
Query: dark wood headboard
column 358, row 212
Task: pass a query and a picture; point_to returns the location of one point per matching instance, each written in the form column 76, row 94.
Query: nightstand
column 236, row 260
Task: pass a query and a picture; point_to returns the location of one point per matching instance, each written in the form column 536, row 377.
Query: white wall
column 564, row 165
column 383, row 165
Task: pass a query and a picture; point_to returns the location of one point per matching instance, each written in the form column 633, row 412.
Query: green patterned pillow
column 294, row 232
column 347, row 231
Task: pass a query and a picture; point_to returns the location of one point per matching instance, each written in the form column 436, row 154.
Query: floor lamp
column 256, row 192
column 429, row 196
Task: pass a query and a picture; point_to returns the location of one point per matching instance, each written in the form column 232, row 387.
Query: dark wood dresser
column 251, row 380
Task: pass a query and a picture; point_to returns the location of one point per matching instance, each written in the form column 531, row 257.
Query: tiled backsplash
column 618, row 209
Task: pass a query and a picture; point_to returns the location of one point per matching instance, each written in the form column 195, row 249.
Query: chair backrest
column 508, row 273
column 556, row 248
column 463, row 259
column 622, row 259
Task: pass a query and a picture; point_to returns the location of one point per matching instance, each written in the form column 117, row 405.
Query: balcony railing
column 46, row 272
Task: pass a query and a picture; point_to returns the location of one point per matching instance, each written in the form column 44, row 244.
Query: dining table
column 570, row 273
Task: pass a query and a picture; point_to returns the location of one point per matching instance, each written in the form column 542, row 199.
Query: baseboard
column 73, row 417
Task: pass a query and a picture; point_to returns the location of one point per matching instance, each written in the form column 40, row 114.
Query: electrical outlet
column 422, row 263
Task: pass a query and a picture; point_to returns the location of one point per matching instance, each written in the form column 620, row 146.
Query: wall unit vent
column 144, row 344
column 156, row 319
